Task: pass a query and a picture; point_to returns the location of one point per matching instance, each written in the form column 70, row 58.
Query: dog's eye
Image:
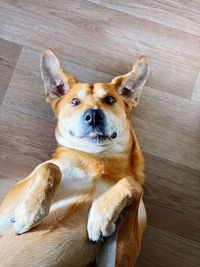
column 75, row 101
column 110, row 100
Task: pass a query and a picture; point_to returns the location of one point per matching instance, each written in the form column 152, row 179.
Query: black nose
column 93, row 117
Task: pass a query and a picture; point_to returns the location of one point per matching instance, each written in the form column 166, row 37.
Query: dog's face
column 92, row 118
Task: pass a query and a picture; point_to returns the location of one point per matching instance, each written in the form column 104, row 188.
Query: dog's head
column 92, row 117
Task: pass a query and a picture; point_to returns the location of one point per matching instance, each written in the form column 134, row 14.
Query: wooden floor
column 96, row 41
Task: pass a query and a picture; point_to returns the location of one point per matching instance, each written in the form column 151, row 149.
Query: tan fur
column 54, row 216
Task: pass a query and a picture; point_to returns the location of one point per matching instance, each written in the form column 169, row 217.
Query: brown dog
column 96, row 172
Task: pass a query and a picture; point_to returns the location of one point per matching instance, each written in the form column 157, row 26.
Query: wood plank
column 26, row 89
column 172, row 197
column 169, row 210
column 90, row 34
column 25, row 142
column 160, row 248
column 181, row 15
column 173, row 176
column 168, row 127
column 9, row 53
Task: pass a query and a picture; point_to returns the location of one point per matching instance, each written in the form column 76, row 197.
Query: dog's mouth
column 96, row 136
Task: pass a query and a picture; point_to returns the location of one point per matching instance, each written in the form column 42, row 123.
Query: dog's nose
column 93, row 117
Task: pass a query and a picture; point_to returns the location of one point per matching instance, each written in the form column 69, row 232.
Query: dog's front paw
column 27, row 216
column 100, row 222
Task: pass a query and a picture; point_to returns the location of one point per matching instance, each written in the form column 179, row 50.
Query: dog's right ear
column 57, row 81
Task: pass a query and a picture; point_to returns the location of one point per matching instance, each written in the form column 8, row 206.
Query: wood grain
column 168, row 126
column 25, row 142
column 172, row 197
column 170, row 211
column 181, row 15
column 160, row 248
column 9, row 53
column 86, row 33
column 173, row 176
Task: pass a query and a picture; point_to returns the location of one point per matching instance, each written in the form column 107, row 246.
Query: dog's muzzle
column 93, row 126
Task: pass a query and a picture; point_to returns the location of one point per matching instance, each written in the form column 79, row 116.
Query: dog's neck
column 95, row 165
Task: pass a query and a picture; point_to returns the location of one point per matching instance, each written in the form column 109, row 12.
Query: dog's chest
column 74, row 179
column 75, row 182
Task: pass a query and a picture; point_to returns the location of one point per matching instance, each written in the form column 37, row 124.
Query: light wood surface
column 97, row 40
column 9, row 53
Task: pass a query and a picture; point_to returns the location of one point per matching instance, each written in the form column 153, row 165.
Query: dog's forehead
column 99, row 89
column 84, row 90
column 103, row 89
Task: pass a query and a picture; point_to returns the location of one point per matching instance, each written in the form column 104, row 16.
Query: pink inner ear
column 131, row 88
column 126, row 92
column 59, row 87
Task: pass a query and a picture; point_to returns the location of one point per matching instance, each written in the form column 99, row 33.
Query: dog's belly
column 46, row 248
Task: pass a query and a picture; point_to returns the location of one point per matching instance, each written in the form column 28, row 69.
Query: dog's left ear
column 130, row 85
column 57, row 81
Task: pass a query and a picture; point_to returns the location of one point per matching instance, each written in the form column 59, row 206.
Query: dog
column 60, row 214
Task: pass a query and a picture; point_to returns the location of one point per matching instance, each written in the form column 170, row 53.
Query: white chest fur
column 73, row 178
column 74, row 183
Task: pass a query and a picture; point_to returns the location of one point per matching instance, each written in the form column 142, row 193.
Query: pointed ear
column 57, row 81
column 130, row 85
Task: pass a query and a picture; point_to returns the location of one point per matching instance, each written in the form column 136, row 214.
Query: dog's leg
column 38, row 199
column 106, row 209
